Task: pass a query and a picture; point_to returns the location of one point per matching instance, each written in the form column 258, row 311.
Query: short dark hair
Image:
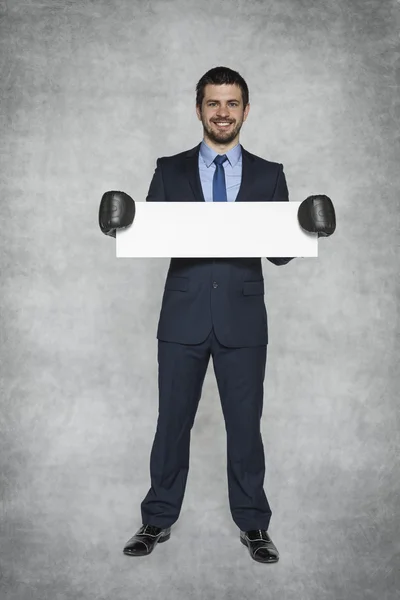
column 220, row 76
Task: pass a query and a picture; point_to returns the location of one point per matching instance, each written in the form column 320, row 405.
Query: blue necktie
column 219, row 185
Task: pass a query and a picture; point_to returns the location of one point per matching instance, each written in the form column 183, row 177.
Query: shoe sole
column 264, row 562
column 144, row 553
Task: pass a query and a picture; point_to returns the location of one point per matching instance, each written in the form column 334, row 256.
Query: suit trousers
column 240, row 379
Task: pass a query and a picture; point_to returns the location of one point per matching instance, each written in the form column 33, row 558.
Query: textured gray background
column 92, row 93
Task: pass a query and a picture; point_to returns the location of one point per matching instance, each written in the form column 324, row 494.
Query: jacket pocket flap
column 252, row 288
column 177, row 284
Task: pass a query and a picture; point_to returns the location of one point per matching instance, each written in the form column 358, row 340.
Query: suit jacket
column 224, row 293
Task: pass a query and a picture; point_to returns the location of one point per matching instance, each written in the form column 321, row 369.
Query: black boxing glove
column 316, row 214
column 117, row 211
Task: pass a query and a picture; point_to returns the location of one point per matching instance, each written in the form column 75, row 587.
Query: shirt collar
column 208, row 154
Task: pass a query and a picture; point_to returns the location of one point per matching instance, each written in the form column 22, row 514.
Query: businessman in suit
column 213, row 308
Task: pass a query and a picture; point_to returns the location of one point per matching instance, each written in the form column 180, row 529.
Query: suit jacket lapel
column 192, row 172
column 248, row 177
column 193, row 175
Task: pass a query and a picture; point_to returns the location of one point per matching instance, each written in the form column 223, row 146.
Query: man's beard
column 220, row 136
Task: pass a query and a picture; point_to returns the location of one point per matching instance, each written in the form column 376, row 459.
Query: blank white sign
column 215, row 230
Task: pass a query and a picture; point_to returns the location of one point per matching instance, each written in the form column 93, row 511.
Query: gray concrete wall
column 92, row 93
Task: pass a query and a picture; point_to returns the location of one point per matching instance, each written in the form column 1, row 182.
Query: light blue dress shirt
column 232, row 168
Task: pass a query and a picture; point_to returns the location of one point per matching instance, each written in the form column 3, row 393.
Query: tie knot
column 219, row 160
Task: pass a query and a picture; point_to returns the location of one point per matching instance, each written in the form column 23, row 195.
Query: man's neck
column 219, row 148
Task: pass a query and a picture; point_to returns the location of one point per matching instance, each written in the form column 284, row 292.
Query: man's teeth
column 222, row 123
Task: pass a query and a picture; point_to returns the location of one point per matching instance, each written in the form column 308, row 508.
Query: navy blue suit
column 212, row 308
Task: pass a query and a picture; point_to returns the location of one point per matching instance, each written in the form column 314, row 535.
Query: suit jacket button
column 215, row 284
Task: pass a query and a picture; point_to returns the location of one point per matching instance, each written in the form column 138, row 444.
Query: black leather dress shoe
column 145, row 540
column 261, row 547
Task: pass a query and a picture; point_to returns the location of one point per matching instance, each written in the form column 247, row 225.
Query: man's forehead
column 223, row 90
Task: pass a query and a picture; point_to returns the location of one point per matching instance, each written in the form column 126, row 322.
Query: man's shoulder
column 181, row 155
column 264, row 162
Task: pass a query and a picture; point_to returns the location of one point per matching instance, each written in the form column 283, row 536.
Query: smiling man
column 213, row 308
